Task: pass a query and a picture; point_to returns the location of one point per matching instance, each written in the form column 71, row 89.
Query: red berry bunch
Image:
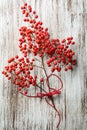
column 34, row 38
column 35, row 42
column 20, row 69
column 63, row 56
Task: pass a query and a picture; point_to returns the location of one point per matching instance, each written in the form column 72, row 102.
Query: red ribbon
column 49, row 94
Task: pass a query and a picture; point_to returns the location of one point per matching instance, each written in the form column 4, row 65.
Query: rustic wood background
column 63, row 18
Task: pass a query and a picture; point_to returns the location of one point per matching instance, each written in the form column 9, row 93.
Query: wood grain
column 63, row 18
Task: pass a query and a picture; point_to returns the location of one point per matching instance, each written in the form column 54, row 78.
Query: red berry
column 23, row 11
column 65, row 69
column 31, row 67
column 41, row 80
column 11, row 60
column 16, row 56
column 25, row 92
column 34, row 12
column 36, row 16
column 19, row 88
column 73, row 43
column 70, row 67
column 63, row 40
column 53, row 69
column 58, row 69
column 25, row 4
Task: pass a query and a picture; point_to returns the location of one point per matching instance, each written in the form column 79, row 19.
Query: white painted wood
column 63, row 18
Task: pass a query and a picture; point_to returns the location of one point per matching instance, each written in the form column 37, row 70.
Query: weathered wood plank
column 63, row 18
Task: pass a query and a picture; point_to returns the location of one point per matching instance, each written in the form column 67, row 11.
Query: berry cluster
column 21, row 69
column 35, row 40
column 63, row 56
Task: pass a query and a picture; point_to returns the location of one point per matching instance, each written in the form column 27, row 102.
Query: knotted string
column 55, row 91
column 47, row 95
